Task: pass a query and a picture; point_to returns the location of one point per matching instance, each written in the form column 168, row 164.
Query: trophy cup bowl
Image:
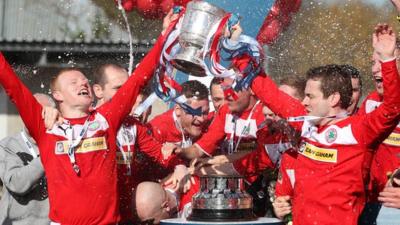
column 221, row 199
column 197, row 22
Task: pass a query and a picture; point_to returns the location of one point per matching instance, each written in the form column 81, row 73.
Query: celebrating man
column 329, row 186
column 79, row 155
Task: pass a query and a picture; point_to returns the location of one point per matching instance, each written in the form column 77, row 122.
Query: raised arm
column 265, row 89
column 121, row 104
column 152, row 148
column 209, row 141
column 278, row 101
column 28, row 107
column 380, row 123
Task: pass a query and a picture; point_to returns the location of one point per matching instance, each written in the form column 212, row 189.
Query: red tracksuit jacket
column 329, row 172
column 91, row 197
column 387, row 156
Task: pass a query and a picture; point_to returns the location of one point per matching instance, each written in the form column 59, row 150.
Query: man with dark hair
column 285, row 183
column 332, row 81
column 328, row 178
column 233, row 128
column 232, row 131
column 356, row 84
column 178, row 125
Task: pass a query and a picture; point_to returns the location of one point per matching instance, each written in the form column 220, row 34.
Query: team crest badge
column 302, row 147
column 246, row 130
column 93, row 126
column 59, row 147
column 331, row 135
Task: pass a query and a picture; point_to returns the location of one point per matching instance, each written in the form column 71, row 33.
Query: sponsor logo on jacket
column 86, row 145
column 319, row 154
column 393, row 139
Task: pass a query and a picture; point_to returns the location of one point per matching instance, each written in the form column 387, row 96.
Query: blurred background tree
column 329, row 32
column 142, row 29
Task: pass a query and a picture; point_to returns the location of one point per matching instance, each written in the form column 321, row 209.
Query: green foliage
column 142, row 29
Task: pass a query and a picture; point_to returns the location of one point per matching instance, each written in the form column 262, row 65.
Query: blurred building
column 40, row 37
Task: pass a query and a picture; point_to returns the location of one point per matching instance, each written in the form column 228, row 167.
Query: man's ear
column 57, row 96
column 165, row 205
column 178, row 110
column 334, row 99
column 98, row 91
column 251, row 91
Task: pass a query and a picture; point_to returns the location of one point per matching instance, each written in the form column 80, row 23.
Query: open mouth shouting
column 84, row 92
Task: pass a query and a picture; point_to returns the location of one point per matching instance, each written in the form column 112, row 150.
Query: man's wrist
column 180, row 169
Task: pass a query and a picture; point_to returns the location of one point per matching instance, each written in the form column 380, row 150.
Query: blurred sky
column 253, row 12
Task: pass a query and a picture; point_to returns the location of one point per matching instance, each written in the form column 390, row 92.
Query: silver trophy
column 197, row 22
column 222, row 198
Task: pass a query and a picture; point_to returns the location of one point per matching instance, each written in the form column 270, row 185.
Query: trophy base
column 222, row 215
column 188, row 61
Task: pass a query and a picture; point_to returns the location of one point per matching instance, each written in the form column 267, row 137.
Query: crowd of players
column 84, row 158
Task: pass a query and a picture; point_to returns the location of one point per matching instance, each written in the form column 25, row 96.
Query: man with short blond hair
column 82, row 150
